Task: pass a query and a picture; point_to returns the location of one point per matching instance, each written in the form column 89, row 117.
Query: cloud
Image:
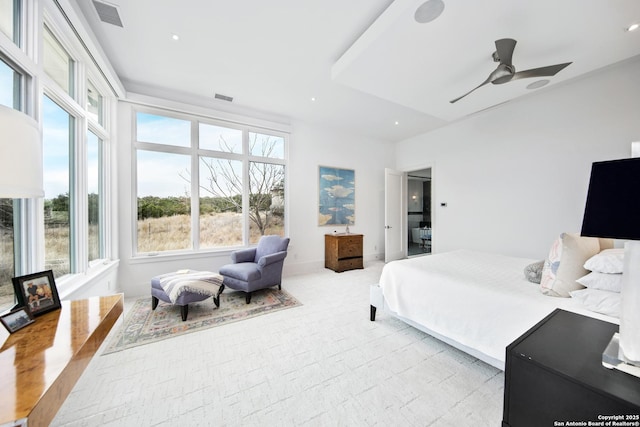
column 339, row 191
column 331, row 177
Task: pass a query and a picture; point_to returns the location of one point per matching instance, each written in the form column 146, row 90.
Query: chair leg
column 216, row 299
column 154, row 302
column 184, row 310
column 279, row 286
column 248, row 297
column 372, row 314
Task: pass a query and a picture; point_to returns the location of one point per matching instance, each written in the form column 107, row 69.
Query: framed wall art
column 337, row 196
column 37, row 291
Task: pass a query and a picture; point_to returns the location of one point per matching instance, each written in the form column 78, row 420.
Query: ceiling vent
column 224, row 97
column 108, row 13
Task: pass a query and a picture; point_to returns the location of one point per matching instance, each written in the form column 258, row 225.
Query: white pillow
column 608, row 261
column 604, row 281
column 604, row 302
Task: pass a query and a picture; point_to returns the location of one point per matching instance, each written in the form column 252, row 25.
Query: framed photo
column 337, row 196
column 37, row 292
column 16, row 319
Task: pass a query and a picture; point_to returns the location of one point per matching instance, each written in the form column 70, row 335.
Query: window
column 237, row 184
column 94, row 103
column 57, row 136
column 10, row 19
column 74, row 215
column 266, row 145
column 10, row 86
column 164, row 202
column 7, row 256
column 163, row 130
column 220, row 202
column 10, row 96
column 57, row 63
column 219, row 138
column 266, row 181
column 95, row 197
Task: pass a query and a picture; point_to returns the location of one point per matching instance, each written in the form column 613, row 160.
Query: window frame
column 83, row 123
column 89, row 67
column 196, row 152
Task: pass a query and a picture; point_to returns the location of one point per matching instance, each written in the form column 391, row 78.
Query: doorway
column 419, row 212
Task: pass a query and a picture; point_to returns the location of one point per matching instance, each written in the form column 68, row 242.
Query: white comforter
column 477, row 299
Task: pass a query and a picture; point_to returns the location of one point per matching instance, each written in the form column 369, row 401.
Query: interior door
column 394, row 235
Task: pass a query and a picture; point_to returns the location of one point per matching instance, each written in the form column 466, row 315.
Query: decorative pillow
column 604, row 281
column 608, row 261
column 605, row 243
column 600, row 301
column 533, row 272
column 565, row 263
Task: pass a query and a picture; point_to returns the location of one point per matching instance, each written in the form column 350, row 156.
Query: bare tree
column 266, row 180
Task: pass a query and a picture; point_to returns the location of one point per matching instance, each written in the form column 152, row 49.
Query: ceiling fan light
column 538, row 84
column 428, row 11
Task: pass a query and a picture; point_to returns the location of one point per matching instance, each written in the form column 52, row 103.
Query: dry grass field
column 217, row 230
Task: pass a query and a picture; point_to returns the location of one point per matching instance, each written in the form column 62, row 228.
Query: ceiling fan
column 506, row 72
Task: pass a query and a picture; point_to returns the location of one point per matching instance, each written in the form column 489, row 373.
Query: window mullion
column 246, row 234
column 195, row 190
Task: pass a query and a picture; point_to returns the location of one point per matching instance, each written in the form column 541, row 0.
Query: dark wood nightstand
column 554, row 374
column 343, row 251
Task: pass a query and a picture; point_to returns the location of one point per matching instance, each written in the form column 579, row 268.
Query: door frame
column 405, row 211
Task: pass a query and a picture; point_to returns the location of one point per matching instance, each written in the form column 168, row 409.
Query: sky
column 163, row 174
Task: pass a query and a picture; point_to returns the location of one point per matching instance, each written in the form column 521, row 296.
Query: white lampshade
column 20, row 156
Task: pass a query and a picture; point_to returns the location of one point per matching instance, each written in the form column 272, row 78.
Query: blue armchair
column 256, row 268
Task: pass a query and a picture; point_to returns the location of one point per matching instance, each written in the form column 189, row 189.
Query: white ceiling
column 368, row 63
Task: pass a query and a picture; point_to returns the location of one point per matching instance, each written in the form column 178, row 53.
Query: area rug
column 143, row 325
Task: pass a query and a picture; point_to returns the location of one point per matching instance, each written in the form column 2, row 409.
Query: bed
column 475, row 301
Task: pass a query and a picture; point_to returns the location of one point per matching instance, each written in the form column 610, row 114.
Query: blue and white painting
column 337, row 196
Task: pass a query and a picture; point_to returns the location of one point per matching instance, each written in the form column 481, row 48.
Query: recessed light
column 175, row 37
column 633, row 27
column 313, row 99
column 538, row 84
column 397, row 123
column 428, row 11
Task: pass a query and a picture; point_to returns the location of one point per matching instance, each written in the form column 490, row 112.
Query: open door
column 394, row 235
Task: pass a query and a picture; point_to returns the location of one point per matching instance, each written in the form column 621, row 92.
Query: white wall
column 310, row 147
column 516, row 176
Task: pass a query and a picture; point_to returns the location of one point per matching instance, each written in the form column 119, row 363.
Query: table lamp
column 612, row 210
column 20, row 155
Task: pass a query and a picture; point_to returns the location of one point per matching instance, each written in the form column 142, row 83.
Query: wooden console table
column 40, row 364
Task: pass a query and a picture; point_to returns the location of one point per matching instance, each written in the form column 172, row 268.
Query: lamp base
column 613, row 358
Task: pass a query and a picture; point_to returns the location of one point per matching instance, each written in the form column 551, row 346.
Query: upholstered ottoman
column 184, row 287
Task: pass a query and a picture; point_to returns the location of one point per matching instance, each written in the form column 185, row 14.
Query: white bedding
column 480, row 300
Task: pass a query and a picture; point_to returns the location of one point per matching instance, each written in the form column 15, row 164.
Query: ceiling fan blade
column 504, row 49
column 548, row 71
column 480, row 85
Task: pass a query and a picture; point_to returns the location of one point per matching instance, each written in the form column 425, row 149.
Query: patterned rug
column 143, row 325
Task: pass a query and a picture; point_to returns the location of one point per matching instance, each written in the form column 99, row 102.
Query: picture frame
column 336, row 196
column 37, row 291
column 16, row 319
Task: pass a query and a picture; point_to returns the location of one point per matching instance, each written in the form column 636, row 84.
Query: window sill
column 177, row 256
column 75, row 282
